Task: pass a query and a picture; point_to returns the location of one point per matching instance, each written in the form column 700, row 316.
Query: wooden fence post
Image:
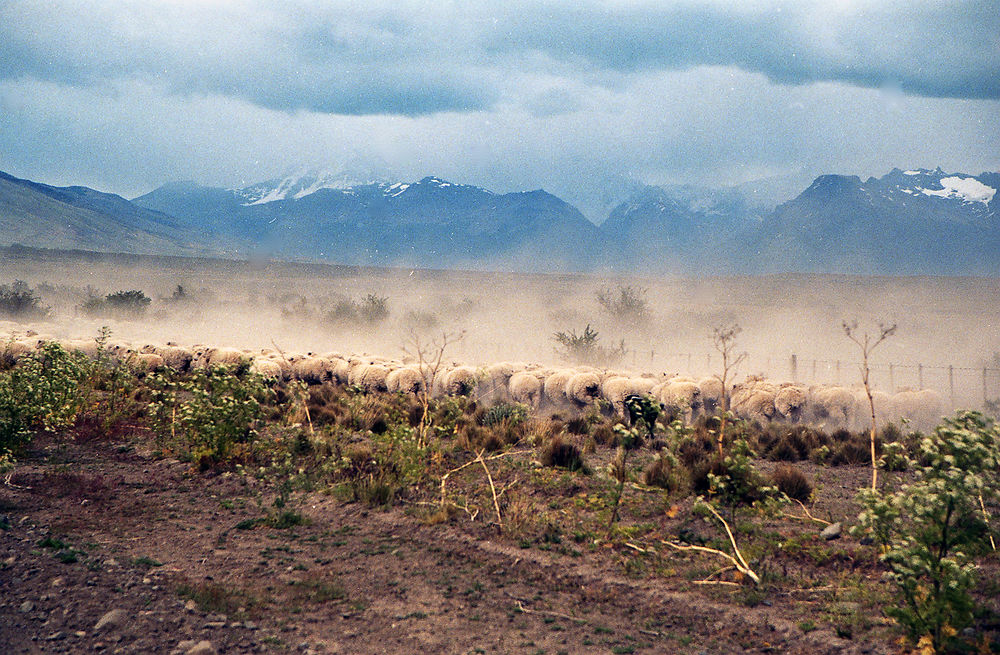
column 795, row 368
column 951, row 384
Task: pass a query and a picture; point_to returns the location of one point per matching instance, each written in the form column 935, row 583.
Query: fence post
column 708, row 362
column 920, row 375
column 985, row 399
column 838, row 371
column 689, row 363
column 892, row 378
column 951, row 384
column 795, row 368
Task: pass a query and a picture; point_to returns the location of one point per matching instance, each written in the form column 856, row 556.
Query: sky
column 584, row 99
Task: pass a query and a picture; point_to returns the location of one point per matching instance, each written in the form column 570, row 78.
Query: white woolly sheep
column 834, row 406
column 584, row 388
column 616, row 389
column 922, row 408
column 460, row 381
column 711, row 393
column 790, row 401
column 405, row 379
column 267, row 368
column 753, row 399
column 525, row 388
column 683, row 394
column 372, row 377
column 313, row 370
column 555, row 387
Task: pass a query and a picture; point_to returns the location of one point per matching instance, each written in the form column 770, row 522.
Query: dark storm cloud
column 940, row 49
column 415, row 58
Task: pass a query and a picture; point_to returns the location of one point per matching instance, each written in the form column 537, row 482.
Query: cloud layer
column 562, row 95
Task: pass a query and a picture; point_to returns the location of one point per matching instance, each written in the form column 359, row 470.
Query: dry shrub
column 792, row 482
column 324, row 405
column 605, row 435
column 473, row 437
column 789, row 444
column 560, row 453
column 852, row 449
column 578, row 425
column 519, row 514
column 668, row 475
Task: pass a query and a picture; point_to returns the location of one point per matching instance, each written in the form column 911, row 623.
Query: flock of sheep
column 542, row 388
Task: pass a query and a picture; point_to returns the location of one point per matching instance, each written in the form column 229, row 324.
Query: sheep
column 555, row 386
column 616, row 389
column 15, row 350
column 790, row 401
column 835, row 405
column 226, row 357
column 460, row 381
column 683, row 394
column 922, row 408
column 371, row 377
column 175, row 357
column 87, row 347
column 494, row 386
column 313, row 370
column 753, row 399
column 711, row 393
column 405, row 379
column 525, row 388
column 145, row 362
column 584, row 388
column 267, row 368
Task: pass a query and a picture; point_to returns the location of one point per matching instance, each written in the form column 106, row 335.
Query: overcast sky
column 578, row 97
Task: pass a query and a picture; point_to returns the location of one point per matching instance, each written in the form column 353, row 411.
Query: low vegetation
column 722, row 509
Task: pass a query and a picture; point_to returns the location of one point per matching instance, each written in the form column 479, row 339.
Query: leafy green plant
column 930, row 531
column 211, row 412
column 505, row 413
column 41, row 393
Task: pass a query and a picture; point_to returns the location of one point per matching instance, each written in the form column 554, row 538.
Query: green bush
column 41, row 393
column 18, row 301
column 372, row 310
column 210, row 413
column 505, row 414
column 931, row 530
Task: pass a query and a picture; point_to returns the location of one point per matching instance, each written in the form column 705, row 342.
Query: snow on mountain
column 968, row 189
column 303, row 183
column 921, row 182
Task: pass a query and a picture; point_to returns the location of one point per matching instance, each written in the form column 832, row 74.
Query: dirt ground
column 97, row 526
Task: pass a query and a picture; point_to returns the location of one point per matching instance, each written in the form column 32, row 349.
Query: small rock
column 190, row 606
column 185, row 646
column 831, row 531
column 9, row 562
column 147, row 581
column 249, row 625
column 57, row 582
column 201, row 648
column 969, row 632
column 27, row 606
column 55, row 636
column 113, row 619
column 80, row 633
column 215, row 624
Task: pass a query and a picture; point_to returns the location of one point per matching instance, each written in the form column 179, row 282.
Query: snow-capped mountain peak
column 302, row 183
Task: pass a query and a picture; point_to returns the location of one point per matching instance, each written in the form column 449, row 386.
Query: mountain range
column 909, row 222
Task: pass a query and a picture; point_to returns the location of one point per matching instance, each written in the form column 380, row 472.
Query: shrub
column 930, row 531
column 666, row 472
column 504, row 413
column 792, row 482
column 211, row 412
column 734, row 480
column 120, row 304
column 625, row 303
column 563, row 454
column 369, row 312
column 584, row 348
column 41, row 393
column 18, row 301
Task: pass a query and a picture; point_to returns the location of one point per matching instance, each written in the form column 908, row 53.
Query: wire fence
column 962, row 385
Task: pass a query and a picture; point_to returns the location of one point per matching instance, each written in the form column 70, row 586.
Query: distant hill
column 913, row 222
column 39, row 215
column 429, row 223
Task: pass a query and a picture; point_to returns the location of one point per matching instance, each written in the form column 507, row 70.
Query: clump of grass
column 560, row 453
column 666, row 472
column 792, row 482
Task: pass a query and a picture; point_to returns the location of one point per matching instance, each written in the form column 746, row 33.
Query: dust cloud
column 942, row 322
